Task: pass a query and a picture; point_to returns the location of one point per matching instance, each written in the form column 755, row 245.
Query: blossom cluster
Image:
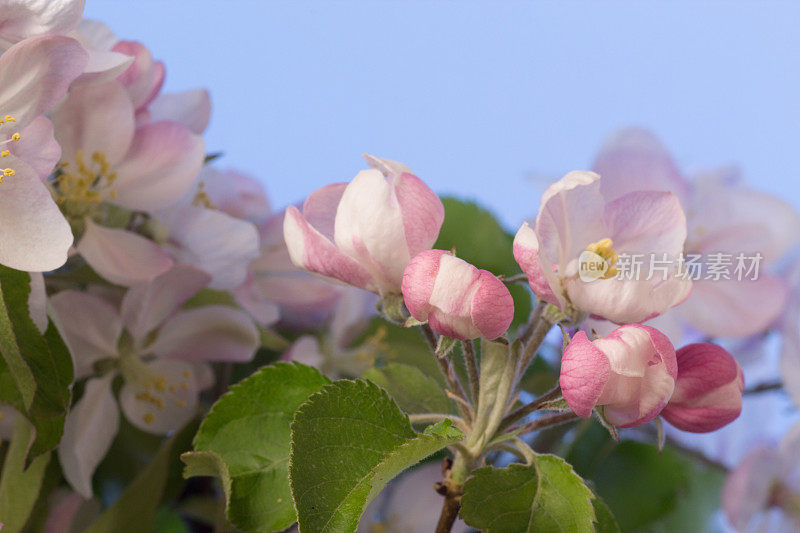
column 159, row 269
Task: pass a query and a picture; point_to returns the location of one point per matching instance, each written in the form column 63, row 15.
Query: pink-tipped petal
column 320, row 208
column 36, row 74
column 209, row 333
column 585, row 370
column 161, row 166
column 147, row 305
column 451, row 299
column 190, row 108
column 122, row 257
column 35, row 236
column 144, row 78
column 492, row 306
column 708, row 392
column 538, row 269
column 310, row 250
column 239, row 195
column 635, row 160
column 419, row 280
column 422, row 212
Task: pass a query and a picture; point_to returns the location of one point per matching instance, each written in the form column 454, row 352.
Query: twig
column 764, row 387
column 533, row 321
column 544, row 422
column 472, row 369
column 533, row 344
column 447, row 371
column 527, row 409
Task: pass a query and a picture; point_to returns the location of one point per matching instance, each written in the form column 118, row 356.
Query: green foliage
column 19, row 487
column 244, row 441
column 135, row 510
column 479, row 239
column 413, row 391
column 544, row 496
column 35, row 370
column 348, row 441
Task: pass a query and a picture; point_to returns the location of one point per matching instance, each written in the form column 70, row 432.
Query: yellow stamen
column 148, row 418
column 604, row 249
column 85, row 181
column 5, row 153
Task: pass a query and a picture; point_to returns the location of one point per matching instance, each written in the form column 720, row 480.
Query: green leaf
column 413, row 391
column 545, row 496
column 479, row 239
column 135, row 510
column 244, row 441
column 19, row 487
column 35, row 370
column 348, row 441
column 605, row 521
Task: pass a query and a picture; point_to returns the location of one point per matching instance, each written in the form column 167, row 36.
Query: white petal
column 162, row 401
column 23, row 19
column 190, row 108
column 90, row 326
column 37, row 301
column 89, row 430
column 122, row 257
column 34, row 235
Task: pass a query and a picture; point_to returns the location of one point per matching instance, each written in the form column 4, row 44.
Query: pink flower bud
column 365, row 232
column 631, row 372
column 455, row 298
column 708, row 392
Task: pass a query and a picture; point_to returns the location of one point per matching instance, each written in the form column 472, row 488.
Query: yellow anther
column 184, row 385
column 604, row 249
column 8, row 118
column 5, row 153
column 8, row 172
column 148, row 418
column 16, row 137
column 180, row 403
column 186, row 374
column 161, row 383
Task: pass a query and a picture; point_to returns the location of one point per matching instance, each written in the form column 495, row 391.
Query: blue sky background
column 484, row 100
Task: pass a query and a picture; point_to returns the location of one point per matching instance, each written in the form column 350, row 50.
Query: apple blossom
column 107, row 159
column 723, row 217
column 708, row 391
column 768, row 478
column 455, row 298
column 34, row 75
column 159, row 350
column 364, row 233
column 575, row 218
column 631, row 373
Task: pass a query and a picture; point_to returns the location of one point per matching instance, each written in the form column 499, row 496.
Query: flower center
column 201, row 197
column 84, row 182
column 604, row 249
column 15, row 137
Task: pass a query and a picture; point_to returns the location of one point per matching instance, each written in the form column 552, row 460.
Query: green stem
column 447, row 371
column 527, row 409
column 532, row 346
column 472, row 368
column 545, row 421
column 525, row 450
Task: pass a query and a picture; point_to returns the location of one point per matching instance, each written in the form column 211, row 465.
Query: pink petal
column 708, row 392
column 35, row 235
column 370, row 229
column 492, row 306
column 419, row 279
column 22, row 20
column 310, row 250
column 37, row 73
column 122, row 257
column 646, row 222
column 236, row 194
column 95, row 118
column 635, row 160
column 89, row 430
column 584, row 372
column 538, row 269
column 748, row 487
column 98, row 40
column 320, row 208
column 64, row 506
column 387, row 167
column 90, row 326
column 164, row 399
column 725, row 308
column 305, row 350
column 144, row 78
column 37, row 147
column 451, row 299
column 190, row 108
column 147, row 305
column 161, row 166
column 422, row 211
column 212, row 241
column 210, row 333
